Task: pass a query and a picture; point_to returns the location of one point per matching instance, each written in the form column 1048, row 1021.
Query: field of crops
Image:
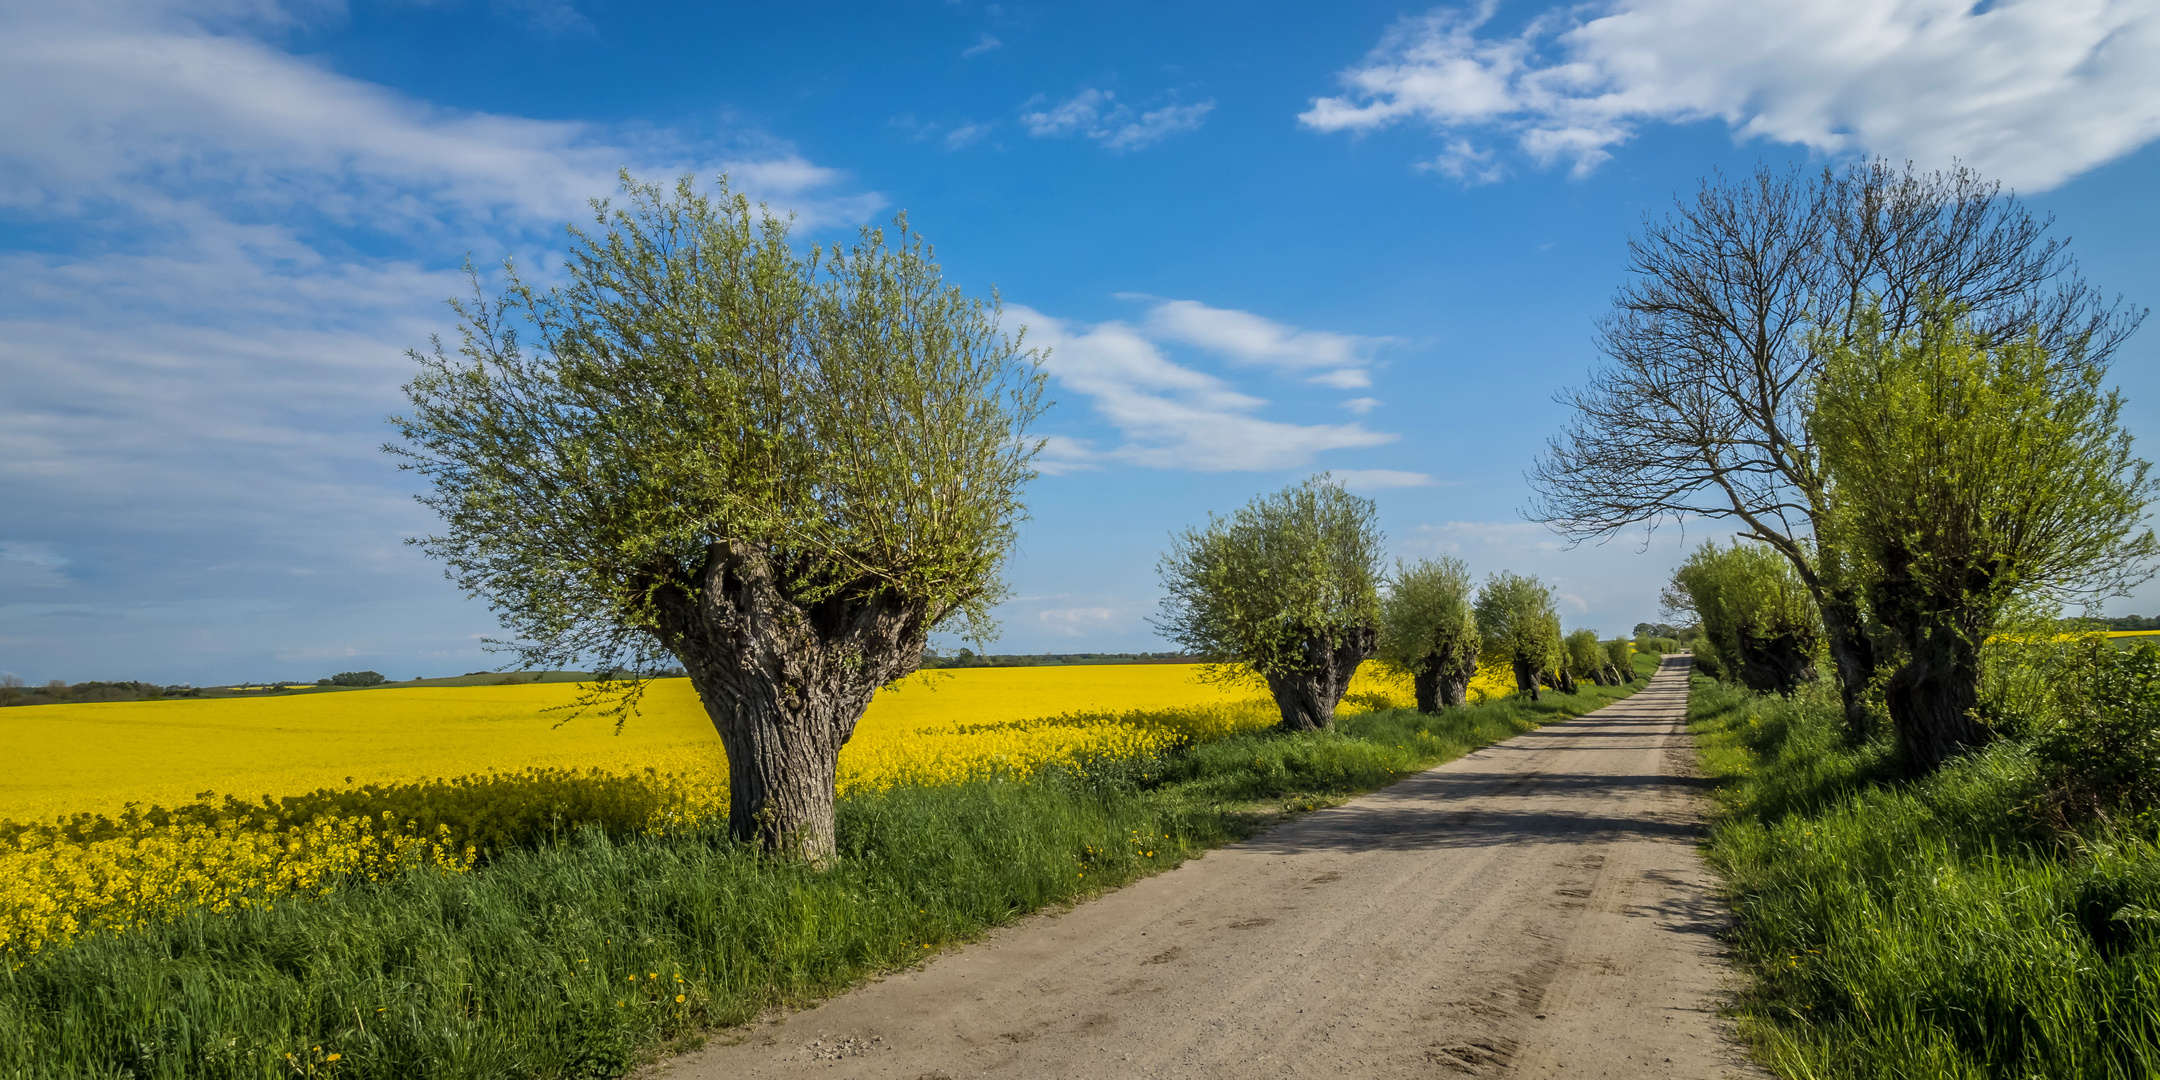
column 135, row 810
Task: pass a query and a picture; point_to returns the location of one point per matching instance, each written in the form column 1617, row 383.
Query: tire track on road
column 1536, row 908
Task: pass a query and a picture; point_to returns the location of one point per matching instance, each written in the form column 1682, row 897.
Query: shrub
column 2100, row 755
column 358, row 678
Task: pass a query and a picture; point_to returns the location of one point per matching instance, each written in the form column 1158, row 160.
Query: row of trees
column 1291, row 588
column 1893, row 383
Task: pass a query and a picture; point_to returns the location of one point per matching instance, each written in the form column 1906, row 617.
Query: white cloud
column 1076, row 114
column 1062, row 454
column 1169, row 416
column 1075, row 622
column 983, row 44
column 1349, row 379
column 196, row 378
column 2032, row 92
column 1095, row 114
column 965, row 135
column 1153, row 125
column 1374, row 479
column 145, row 109
column 1362, row 405
column 1247, row 338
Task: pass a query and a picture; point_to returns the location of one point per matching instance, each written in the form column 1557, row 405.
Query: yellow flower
column 243, row 853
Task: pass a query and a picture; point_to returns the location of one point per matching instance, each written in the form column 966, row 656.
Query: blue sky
column 1262, row 240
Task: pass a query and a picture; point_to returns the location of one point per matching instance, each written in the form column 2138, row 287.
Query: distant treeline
column 970, row 658
column 2124, row 622
column 56, row 692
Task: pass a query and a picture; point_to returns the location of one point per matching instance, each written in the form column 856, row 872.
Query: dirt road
column 1535, row 909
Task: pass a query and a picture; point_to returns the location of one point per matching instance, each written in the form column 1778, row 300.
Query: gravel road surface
column 1535, row 909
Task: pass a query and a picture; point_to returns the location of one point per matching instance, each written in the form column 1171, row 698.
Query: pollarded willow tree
column 1620, row 654
column 1712, row 346
column 1759, row 622
column 782, row 469
column 1286, row 588
column 1586, row 657
column 1973, row 474
column 1428, row 630
column 1518, row 626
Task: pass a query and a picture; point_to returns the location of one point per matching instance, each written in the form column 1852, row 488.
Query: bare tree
column 1699, row 411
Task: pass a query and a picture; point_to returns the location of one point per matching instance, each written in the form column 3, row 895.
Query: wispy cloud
column 1169, row 416
column 151, row 113
column 2030, row 91
column 965, row 135
column 199, row 365
column 1096, row 114
column 983, row 44
column 1075, row 622
column 960, row 137
column 1247, row 338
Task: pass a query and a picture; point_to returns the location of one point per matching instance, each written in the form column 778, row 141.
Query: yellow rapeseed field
column 320, row 786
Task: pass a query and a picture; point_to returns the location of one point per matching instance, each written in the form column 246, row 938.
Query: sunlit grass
column 1924, row 929
column 579, row 953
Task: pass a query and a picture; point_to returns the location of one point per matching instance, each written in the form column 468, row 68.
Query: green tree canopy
column 1428, row 630
column 1971, row 473
column 1759, row 621
column 1731, row 301
column 1586, row 656
column 782, row 468
column 1518, row 626
column 1286, row 588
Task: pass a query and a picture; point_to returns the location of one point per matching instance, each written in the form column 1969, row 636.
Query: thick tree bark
column 1444, row 683
column 1851, row 653
column 784, row 684
column 1526, row 680
column 1308, row 693
column 1775, row 665
column 1931, row 701
column 1455, row 682
column 1426, row 686
column 1567, row 681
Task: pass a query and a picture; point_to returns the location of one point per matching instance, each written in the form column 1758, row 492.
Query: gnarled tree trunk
column 784, row 683
column 1308, row 693
column 1845, row 630
column 1526, row 679
column 1455, row 681
column 1444, row 683
column 1425, row 684
column 1774, row 665
column 1932, row 698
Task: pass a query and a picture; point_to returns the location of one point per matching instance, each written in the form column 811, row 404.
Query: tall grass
column 584, row 955
column 1924, row 929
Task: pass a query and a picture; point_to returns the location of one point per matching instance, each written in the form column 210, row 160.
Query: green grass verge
column 587, row 956
column 1929, row 928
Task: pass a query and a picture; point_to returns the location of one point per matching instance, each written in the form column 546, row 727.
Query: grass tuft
column 586, row 954
column 1931, row 928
